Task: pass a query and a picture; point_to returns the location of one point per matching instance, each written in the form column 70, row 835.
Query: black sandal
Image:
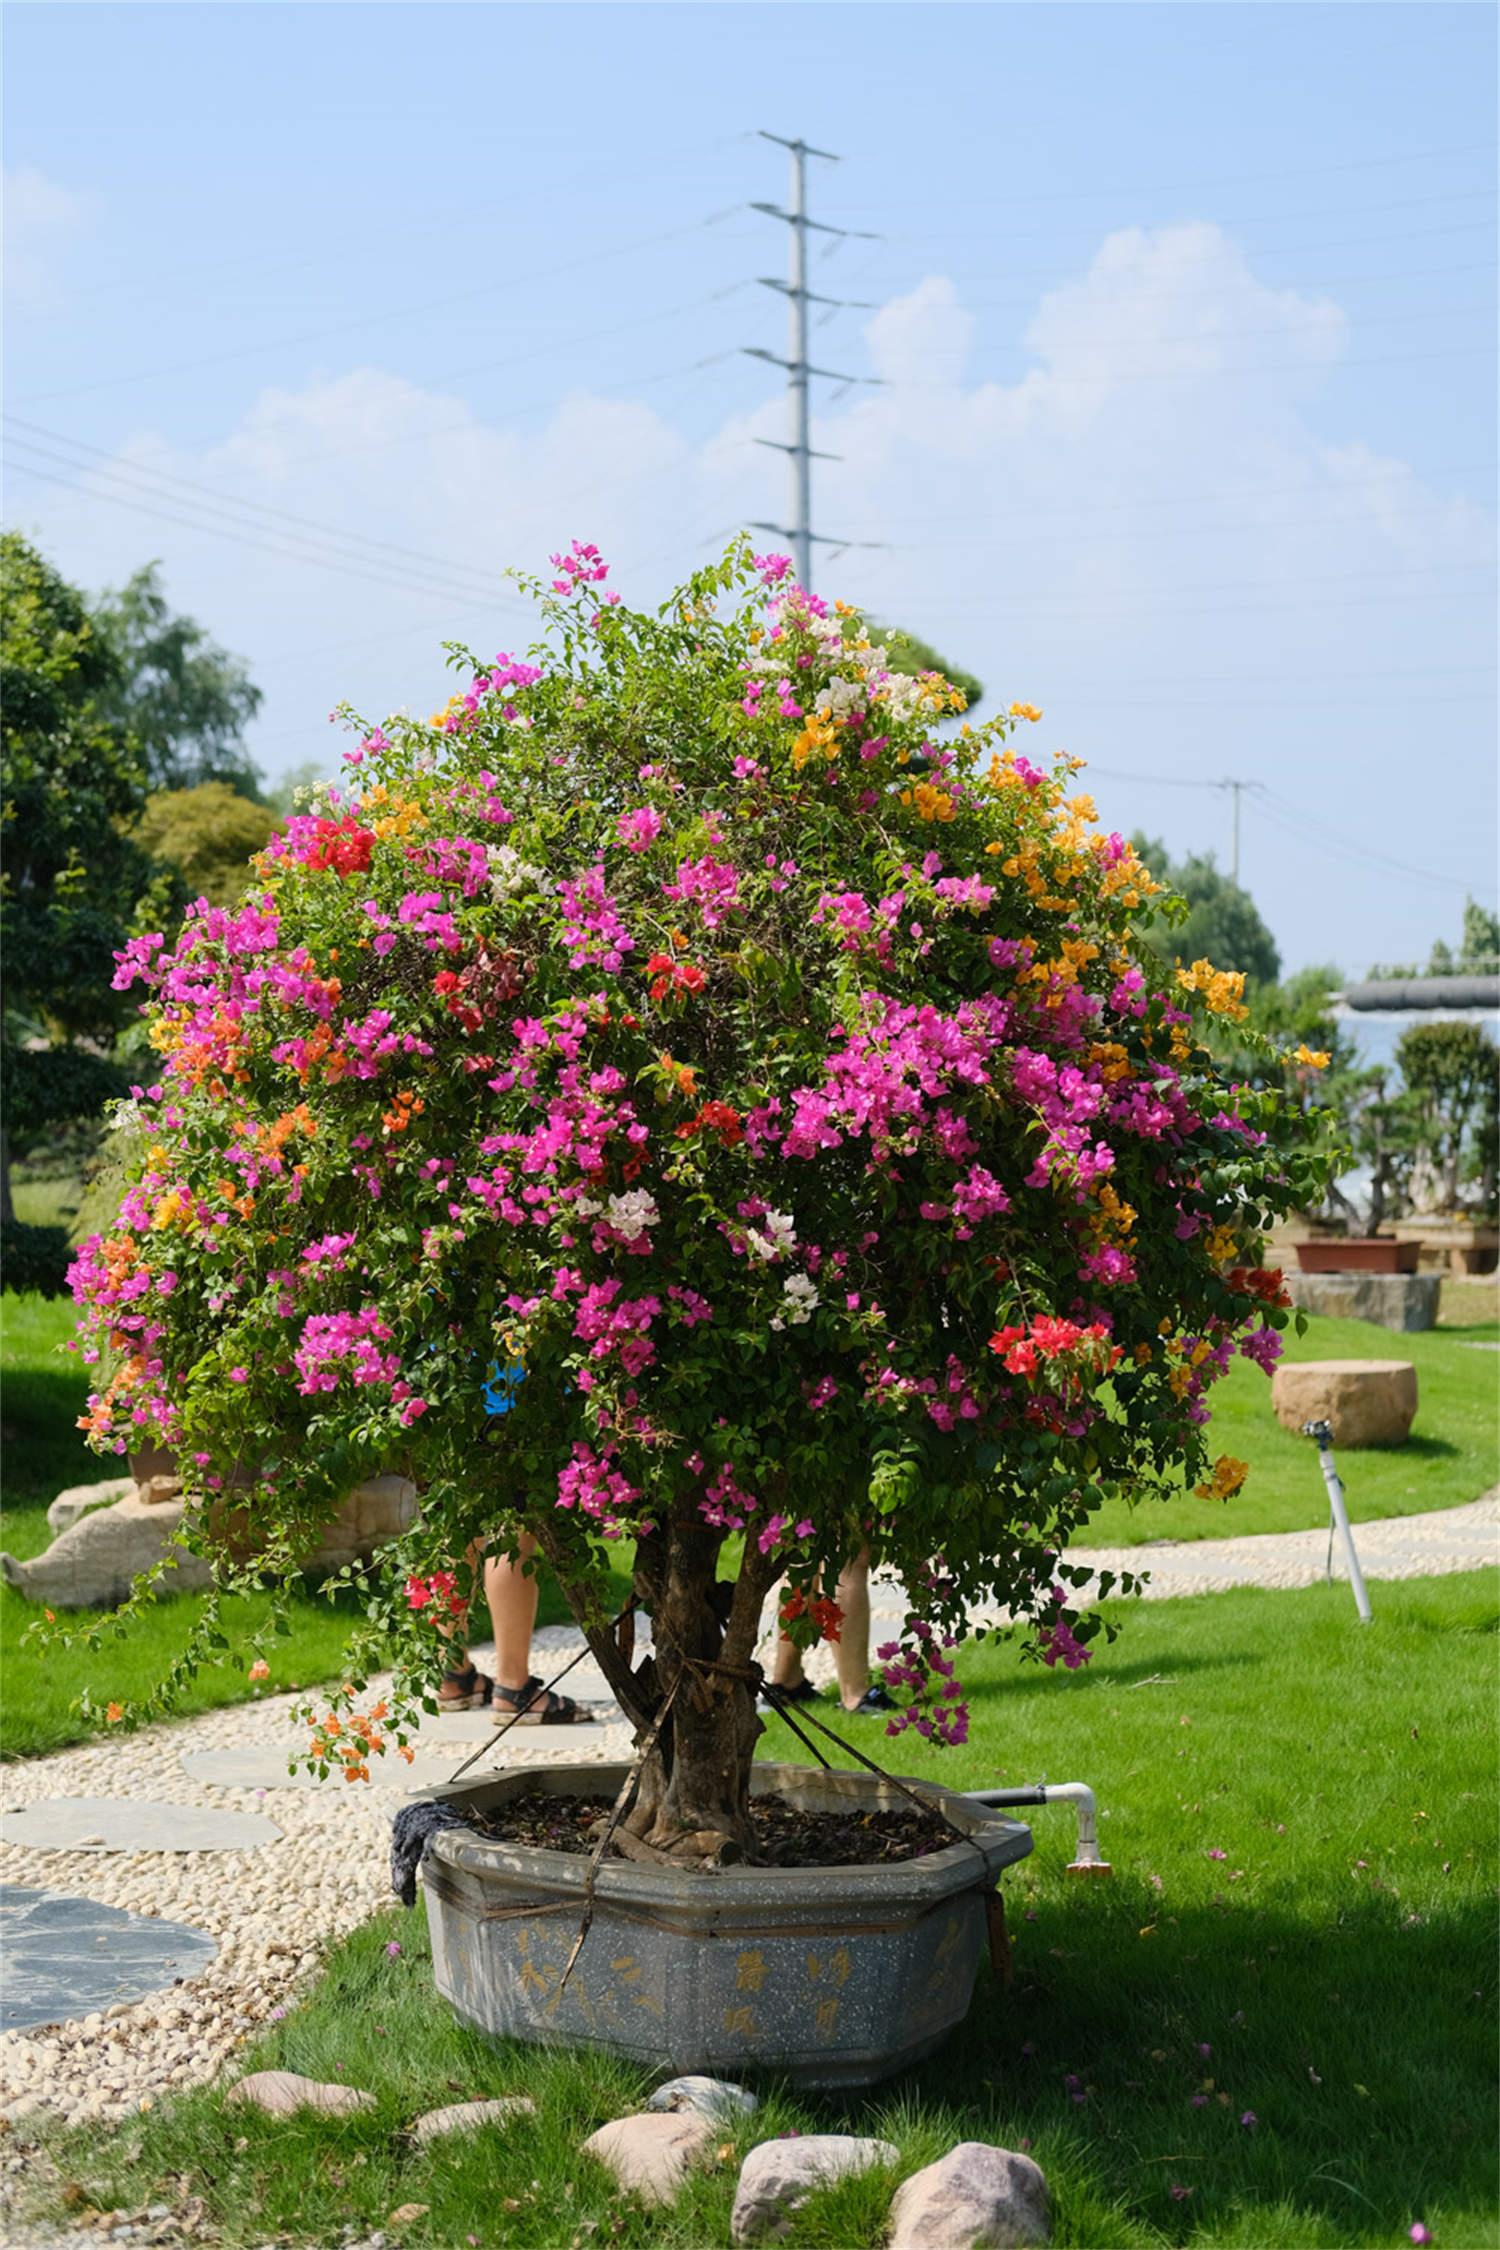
column 535, row 1706
column 473, row 1689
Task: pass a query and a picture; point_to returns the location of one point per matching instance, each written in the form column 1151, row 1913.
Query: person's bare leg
column 852, row 1648
column 455, row 1631
column 786, row 1672
column 512, row 1594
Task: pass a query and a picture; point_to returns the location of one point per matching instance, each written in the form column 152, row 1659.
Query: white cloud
column 1146, row 531
column 39, row 217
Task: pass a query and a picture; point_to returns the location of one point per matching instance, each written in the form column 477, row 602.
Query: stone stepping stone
column 460, row 1727
column 68, row 1957
column 122, row 1824
column 254, row 1765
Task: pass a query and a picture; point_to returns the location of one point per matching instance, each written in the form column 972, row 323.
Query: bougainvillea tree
column 695, row 1045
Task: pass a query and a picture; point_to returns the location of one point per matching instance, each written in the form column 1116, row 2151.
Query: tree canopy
column 183, row 699
column 208, row 835
column 73, row 787
column 677, row 1062
column 1222, row 924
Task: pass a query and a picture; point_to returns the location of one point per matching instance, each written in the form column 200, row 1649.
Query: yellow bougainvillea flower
column 1315, row 1058
column 1025, row 711
column 1228, row 1476
column 1223, row 989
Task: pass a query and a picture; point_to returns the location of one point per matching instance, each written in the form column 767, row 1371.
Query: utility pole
column 1236, row 790
column 799, row 369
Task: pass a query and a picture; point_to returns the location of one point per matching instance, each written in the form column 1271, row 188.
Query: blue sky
column 1185, row 320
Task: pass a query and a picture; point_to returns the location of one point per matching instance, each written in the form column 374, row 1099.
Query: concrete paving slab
column 68, row 1957
column 132, row 1824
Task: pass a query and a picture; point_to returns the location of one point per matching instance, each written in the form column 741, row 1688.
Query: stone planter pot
column 1463, row 1246
column 1369, row 1253
column 827, row 1976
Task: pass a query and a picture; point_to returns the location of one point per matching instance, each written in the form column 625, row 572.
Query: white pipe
column 1074, row 1793
column 1322, row 1434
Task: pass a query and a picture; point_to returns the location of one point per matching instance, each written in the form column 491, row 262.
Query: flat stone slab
column 258, row 1766
column 69, row 1957
column 1405, row 1302
column 133, row 1824
column 460, row 1727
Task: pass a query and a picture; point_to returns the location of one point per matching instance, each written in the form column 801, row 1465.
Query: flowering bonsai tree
column 674, row 1103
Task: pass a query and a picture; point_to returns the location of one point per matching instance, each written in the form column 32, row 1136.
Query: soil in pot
column 786, row 1835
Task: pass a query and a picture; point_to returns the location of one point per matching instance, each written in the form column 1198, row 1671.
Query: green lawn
column 1452, row 1455
column 1300, row 1814
column 43, row 1393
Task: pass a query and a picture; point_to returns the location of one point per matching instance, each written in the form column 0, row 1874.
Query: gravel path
column 272, row 1909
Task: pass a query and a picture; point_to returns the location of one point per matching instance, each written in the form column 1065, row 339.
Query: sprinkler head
column 1321, row 1433
column 1089, row 1867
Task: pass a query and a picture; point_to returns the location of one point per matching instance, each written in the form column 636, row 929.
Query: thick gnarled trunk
column 693, row 1700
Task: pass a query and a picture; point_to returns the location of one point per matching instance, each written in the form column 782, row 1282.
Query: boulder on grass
column 107, row 1540
column 777, row 2177
column 977, row 2197
column 92, row 1565
column 649, row 2156
column 1366, row 1401
column 81, row 1499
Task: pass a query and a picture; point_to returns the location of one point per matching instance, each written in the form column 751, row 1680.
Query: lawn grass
column 1339, row 1962
column 1452, row 1455
column 42, row 1391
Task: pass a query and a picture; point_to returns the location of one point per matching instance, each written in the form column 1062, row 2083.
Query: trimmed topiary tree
column 672, row 1098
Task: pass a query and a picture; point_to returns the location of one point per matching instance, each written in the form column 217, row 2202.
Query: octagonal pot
column 828, row 1976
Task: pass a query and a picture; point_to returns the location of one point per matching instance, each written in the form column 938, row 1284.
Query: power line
column 405, row 583
column 1309, row 828
column 384, row 318
column 1236, row 288
column 1301, row 249
column 1108, row 377
column 1257, row 218
column 151, row 478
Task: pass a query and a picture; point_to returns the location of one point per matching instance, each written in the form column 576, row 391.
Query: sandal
column 803, row 1692
column 469, row 1688
column 536, row 1706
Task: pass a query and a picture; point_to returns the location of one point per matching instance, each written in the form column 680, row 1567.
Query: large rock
column 778, row 2177
column 650, row 2156
column 975, row 2198
column 1406, row 1302
column 1367, row 1401
column 714, row 2098
column 96, row 1557
column 80, row 1499
column 92, row 1566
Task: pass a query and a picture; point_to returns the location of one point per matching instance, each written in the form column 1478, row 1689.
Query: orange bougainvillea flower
column 259, row 1670
column 113, row 1714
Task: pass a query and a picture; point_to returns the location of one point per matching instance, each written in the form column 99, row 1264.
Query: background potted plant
column 689, row 1021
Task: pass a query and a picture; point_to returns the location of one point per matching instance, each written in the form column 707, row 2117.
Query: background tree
column 1451, row 1072
column 206, row 836
column 1223, row 923
column 73, row 787
column 185, row 700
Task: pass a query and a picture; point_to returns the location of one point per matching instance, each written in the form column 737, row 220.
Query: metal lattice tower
column 799, row 369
